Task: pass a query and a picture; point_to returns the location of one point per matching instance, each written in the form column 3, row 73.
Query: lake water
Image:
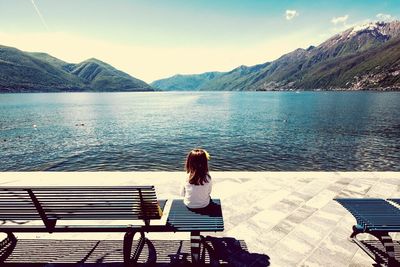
column 319, row 131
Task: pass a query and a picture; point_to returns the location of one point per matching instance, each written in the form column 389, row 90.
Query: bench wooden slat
column 128, row 203
column 78, row 188
column 372, row 212
column 182, row 218
column 75, row 203
column 83, row 198
column 50, row 202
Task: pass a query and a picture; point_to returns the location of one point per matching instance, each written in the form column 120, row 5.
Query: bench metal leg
column 195, row 246
column 139, row 248
column 127, row 247
column 356, row 230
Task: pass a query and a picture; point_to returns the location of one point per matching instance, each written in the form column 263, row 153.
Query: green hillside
column 185, row 82
column 103, row 77
column 39, row 72
column 22, row 72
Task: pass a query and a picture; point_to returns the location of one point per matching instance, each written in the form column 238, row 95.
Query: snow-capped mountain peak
column 375, row 27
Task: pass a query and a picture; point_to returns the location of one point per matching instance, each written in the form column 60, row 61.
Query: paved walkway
column 290, row 216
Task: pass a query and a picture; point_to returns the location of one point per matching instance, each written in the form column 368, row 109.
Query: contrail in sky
column 40, row 15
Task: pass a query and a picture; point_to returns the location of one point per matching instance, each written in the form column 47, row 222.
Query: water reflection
column 243, row 130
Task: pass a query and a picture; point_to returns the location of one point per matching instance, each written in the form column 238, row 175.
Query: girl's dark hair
column 197, row 166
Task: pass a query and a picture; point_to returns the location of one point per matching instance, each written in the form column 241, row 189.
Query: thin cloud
column 291, row 14
column 40, row 15
column 384, row 17
column 340, row 20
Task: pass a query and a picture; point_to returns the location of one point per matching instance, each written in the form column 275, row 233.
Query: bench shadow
column 376, row 248
column 212, row 210
column 49, row 252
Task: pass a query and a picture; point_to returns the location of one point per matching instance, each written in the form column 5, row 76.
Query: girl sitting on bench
column 197, row 188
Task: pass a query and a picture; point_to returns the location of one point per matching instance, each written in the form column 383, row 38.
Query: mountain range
column 39, row 72
column 362, row 57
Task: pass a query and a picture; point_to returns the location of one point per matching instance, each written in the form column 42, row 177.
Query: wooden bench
column 137, row 205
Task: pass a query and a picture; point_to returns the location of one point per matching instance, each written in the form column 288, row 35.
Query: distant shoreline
column 64, row 92
column 192, row 91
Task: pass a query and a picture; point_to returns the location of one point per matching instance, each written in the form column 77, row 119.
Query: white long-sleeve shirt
column 196, row 196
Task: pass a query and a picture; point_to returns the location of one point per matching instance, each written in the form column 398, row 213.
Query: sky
column 153, row 39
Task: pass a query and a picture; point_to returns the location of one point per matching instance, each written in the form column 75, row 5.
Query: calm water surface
column 327, row 131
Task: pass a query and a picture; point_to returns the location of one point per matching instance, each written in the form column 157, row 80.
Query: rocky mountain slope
column 39, row 72
column 362, row 57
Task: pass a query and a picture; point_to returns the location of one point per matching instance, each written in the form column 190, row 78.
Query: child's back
column 197, row 188
column 196, row 196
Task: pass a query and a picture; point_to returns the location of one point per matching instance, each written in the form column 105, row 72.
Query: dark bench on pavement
column 377, row 217
column 71, row 203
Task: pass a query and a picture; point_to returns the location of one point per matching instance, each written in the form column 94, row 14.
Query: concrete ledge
column 290, row 216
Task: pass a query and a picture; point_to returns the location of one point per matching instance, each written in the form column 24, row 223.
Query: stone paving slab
column 289, row 216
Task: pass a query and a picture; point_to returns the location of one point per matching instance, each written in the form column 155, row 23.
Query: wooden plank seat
column 73, row 203
column 183, row 219
column 377, row 217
